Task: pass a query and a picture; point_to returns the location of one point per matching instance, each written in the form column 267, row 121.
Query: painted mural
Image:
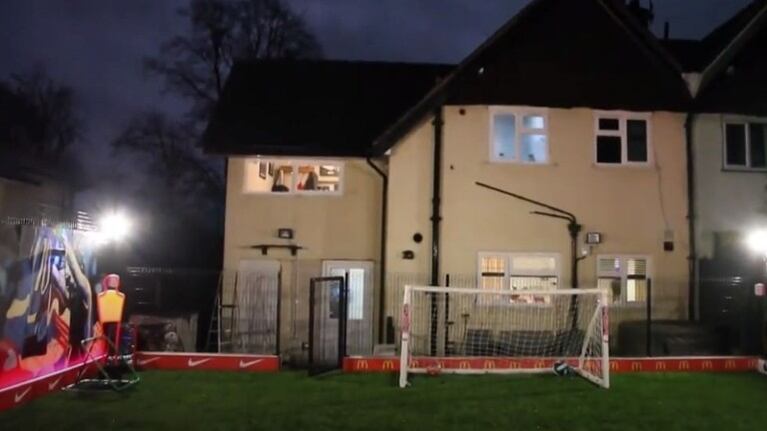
column 48, row 279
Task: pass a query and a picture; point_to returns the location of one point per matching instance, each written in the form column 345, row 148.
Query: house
column 298, row 136
column 373, row 168
column 29, row 189
column 726, row 72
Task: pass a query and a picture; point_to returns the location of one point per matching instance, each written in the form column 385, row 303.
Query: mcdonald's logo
column 636, row 366
column 388, row 365
column 414, row 363
column 753, row 363
column 464, row 365
column 362, row 365
column 615, row 366
column 729, row 365
column 660, row 365
column 540, row 364
column 514, row 365
column 489, row 365
column 707, row 365
column 684, row 365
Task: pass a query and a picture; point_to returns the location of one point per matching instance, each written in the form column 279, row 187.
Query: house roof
column 616, row 64
column 342, row 108
column 313, row 107
column 716, row 41
column 734, row 81
column 692, row 55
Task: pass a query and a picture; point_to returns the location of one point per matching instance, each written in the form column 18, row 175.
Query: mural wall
column 48, row 282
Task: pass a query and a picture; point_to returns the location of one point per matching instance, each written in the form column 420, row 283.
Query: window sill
column 529, row 306
column 630, row 166
column 641, row 305
column 738, row 170
column 517, row 163
column 294, row 194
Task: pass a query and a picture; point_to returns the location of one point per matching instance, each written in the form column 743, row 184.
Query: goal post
column 481, row 331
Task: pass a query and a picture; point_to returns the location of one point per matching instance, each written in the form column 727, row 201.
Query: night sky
column 97, row 46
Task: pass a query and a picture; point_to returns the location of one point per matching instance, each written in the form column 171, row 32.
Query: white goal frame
column 600, row 312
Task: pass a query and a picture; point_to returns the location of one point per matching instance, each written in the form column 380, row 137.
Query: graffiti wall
column 48, row 280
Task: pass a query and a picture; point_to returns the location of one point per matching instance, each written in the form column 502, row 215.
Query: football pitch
column 292, row 401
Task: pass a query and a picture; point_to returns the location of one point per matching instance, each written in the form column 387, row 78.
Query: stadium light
column 757, row 242
column 114, row 227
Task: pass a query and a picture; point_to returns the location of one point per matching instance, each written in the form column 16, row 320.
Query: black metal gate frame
column 342, row 319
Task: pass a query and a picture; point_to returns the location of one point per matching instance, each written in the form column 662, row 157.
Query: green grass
column 291, row 401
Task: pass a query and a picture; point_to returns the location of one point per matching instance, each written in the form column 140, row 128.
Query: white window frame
column 294, row 176
column 508, row 274
column 623, row 118
column 746, row 123
column 623, row 275
column 519, row 113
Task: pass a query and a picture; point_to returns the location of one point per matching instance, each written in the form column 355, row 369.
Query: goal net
column 478, row 331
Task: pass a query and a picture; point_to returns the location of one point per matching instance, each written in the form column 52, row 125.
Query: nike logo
column 192, row 363
column 20, row 396
column 54, row 384
column 244, row 364
column 143, row 362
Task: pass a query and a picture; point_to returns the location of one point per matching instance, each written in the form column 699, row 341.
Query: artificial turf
column 292, row 401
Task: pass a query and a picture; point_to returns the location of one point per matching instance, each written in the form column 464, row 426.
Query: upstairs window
column 625, row 277
column 744, row 146
column 519, row 136
column 622, row 139
column 280, row 176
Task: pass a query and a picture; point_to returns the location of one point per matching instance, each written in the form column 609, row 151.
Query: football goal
column 479, row 331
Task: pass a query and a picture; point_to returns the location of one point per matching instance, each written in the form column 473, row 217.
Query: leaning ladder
column 223, row 319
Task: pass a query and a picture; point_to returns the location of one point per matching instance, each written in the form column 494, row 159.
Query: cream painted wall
column 726, row 201
column 330, row 227
column 409, row 211
column 630, row 206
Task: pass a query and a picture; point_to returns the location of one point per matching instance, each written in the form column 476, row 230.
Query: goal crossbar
column 567, row 326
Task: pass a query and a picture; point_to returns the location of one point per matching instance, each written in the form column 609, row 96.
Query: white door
column 359, row 338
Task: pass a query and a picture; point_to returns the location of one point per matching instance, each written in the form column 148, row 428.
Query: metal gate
column 328, row 315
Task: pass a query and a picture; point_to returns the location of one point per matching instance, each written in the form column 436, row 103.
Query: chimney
column 645, row 15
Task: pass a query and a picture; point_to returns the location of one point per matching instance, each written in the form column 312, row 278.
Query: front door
column 359, row 334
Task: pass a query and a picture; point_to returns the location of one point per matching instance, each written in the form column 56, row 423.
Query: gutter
column 382, row 269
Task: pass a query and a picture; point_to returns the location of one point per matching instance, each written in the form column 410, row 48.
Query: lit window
column 280, row 176
column 622, row 138
column 519, row 136
column 625, row 277
column 518, row 272
column 744, row 146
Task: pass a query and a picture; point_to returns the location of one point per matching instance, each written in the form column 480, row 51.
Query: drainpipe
column 436, row 200
column 382, row 269
column 436, row 218
column 693, row 257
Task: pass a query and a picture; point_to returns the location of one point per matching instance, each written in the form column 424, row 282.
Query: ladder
column 222, row 320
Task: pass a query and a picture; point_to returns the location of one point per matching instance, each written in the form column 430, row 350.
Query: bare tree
column 47, row 115
column 195, row 66
column 164, row 146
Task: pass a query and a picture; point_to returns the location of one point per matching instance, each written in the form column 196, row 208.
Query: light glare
column 115, row 227
column 757, row 241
